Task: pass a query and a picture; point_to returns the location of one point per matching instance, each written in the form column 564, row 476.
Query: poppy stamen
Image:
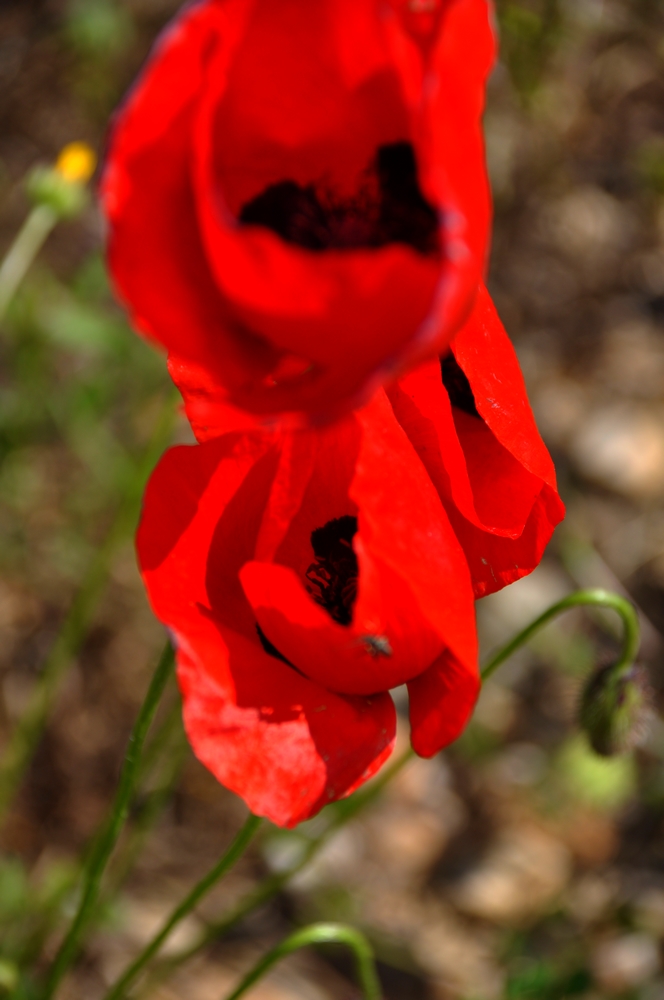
column 332, row 578
column 389, row 208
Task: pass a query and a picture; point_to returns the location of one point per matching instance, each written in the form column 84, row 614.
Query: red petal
column 403, row 524
column 285, row 745
column 414, row 588
column 336, row 656
column 484, row 351
column 495, row 475
column 469, row 466
column 441, row 702
column 155, row 252
column 282, row 742
column 280, row 329
column 496, row 562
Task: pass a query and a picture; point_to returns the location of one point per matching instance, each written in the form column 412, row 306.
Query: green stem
column 108, row 837
column 146, row 816
column 234, row 852
column 154, row 802
column 594, row 598
column 29, row 241
column 346, row 809
column 320, row 934
column 170, row 730
column 73, row 631
column 343, row 811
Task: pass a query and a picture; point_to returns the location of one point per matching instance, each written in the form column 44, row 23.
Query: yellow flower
column 76, row 163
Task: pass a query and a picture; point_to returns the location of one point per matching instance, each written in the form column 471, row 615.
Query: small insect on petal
column 376, row 645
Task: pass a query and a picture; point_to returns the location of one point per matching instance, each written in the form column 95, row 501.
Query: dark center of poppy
column 457, row 385
column 389, row 208
column 332, row 578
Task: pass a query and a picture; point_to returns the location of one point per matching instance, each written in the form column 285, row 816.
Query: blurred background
column 517, row 864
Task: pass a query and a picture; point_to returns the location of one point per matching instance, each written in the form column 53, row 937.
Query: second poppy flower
column 303, row 575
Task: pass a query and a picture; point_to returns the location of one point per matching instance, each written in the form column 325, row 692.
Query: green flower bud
column 615, row 710
column 48, row 186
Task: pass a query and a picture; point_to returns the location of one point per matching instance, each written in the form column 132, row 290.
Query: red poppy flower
column 297, row 194
column 300, row 586
column 468, row 417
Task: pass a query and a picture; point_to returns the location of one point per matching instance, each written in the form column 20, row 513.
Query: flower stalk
column 31, row 237
column 320, row 934
column 58, row 192
column 235, row 851
column 263, row 893
column 146, row 815
column 343, row 812
column 593, row 597
column 110, row 833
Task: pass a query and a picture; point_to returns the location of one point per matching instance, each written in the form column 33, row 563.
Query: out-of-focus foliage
column 530, row 33
column 77, row 384
column 520, row 865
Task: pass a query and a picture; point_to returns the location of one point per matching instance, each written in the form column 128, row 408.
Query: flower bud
column 615, row 710
column 62, row 187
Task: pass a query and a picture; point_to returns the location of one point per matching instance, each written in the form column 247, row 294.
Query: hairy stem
column 591, row 598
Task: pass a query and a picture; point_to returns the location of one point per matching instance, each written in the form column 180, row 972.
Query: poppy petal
column 441, row 702
column 223, row 108
column 406, row 528
column 341, row 658
column 490, row 467
column 283, row 743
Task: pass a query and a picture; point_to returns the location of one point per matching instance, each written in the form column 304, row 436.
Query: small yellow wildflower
column 76, row 163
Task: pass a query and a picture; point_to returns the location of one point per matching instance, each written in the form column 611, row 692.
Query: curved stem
column 344, row 811
column 234, row 852
column 594, row 597
column 29, row 241
column 320, row 934
column 108, row 837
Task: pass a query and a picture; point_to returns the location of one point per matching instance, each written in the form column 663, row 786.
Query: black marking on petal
column 457, row 385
